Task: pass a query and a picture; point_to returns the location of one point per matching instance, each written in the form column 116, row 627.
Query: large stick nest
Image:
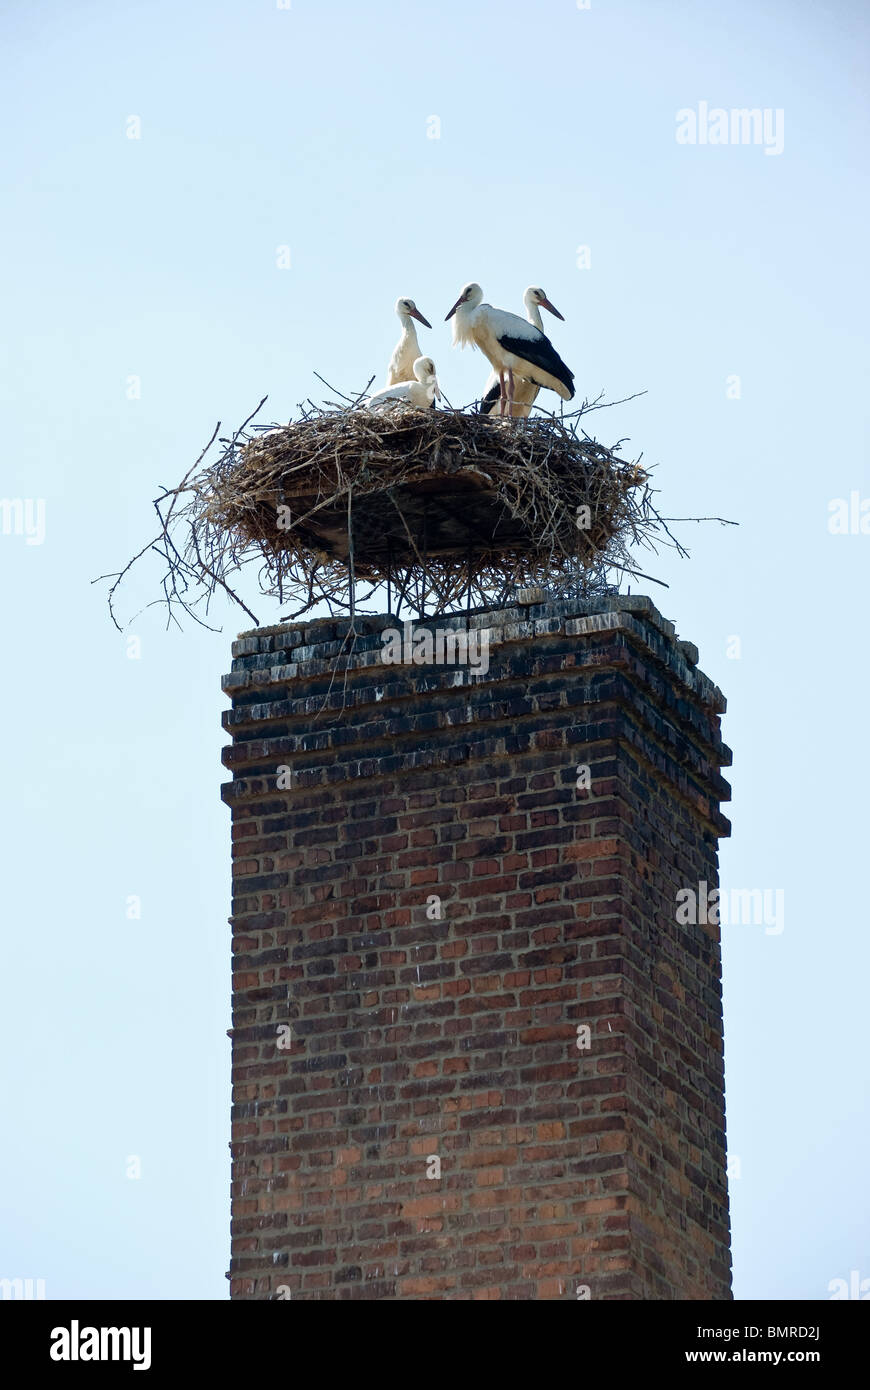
column 446, row 507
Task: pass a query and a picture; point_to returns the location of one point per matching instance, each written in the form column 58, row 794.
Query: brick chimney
column 475, row 1054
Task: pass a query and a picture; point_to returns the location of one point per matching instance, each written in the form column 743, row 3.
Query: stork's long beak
column 415, row 314
column 545, row 304
column 437, row 388
column 453, row 310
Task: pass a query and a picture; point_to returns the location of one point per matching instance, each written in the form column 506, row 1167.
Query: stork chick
column 419, row 393
column 407, row 349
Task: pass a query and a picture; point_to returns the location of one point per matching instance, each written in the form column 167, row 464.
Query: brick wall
column 448, row 953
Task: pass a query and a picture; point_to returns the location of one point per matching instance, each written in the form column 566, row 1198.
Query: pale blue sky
column 157, row 258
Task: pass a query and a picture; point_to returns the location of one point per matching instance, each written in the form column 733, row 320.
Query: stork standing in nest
column 525, row 392
column 513, row 346
column 407, row 350
column 420, row 393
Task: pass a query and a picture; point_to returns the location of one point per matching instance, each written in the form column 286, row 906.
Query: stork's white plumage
column 513, row 346
column 525, row 392
column 420, row 393
column 407, row 349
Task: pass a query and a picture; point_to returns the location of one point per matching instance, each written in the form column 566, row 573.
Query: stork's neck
column 408, row 329
column 533, row 313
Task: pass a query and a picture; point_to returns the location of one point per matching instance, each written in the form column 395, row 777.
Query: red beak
column 453, row 310
column 545, row 304
column 415, row 314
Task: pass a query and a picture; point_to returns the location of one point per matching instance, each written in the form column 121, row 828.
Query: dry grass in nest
column 445, row 507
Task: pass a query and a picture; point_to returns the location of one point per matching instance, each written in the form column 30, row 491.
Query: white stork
column 407, row 349
column 420, row 393
column 512, row 345
column 525, row 392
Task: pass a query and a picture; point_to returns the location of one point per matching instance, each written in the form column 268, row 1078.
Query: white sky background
column 157, row 257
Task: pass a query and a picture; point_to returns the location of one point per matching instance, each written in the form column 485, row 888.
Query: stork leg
column 510, row 391
column 502, row 393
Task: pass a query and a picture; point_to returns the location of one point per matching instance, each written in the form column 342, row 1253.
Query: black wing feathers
column 541, row 353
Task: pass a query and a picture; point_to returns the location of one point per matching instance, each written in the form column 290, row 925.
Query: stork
column 512, row 345
column 420, row 393
column 407, row 349
column 525, row 392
